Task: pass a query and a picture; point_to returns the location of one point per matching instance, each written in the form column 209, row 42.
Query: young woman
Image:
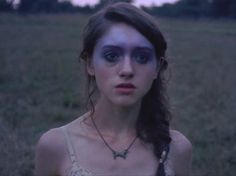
column 126, row 131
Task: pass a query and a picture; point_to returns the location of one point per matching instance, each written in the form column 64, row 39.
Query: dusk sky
column 136, row 2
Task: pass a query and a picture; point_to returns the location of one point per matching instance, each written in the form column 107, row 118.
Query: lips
column 125, row 88
column 126, row 85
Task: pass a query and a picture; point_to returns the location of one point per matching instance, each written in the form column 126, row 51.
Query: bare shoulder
column 49, row 152
column 50, row 140
column 180, row 142
column 181, row 152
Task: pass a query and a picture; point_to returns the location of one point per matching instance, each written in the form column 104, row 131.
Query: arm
column 46, row 155
column 181, row 153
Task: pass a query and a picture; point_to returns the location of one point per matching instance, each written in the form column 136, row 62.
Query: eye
column 111, row 56
column 142, row 58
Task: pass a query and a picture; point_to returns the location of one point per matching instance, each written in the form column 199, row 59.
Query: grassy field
column 42, row 86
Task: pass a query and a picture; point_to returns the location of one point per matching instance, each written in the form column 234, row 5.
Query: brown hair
column 152, row 125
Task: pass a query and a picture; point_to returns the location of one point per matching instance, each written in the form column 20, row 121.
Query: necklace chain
column 121, row 154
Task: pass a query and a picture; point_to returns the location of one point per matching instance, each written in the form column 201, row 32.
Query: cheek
column 102, row 76
column 150, row 72
column 147, row 78
column 98, row 67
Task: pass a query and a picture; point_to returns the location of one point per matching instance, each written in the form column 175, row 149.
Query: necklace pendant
column 120, row 154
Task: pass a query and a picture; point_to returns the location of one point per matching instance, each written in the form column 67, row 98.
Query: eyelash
column 111, row 56
column 139, row 57
column 142, row 58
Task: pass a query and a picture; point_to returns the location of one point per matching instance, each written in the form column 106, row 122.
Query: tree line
column 182, row 8
column 197, row 9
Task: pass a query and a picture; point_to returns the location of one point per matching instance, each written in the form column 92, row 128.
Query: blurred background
column 42, row 82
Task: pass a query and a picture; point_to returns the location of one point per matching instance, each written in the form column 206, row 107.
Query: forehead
column 124, row 35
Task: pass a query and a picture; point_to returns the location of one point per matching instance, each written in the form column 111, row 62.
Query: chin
column 126, row 102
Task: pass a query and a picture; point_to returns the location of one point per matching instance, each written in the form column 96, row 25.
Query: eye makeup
column 143, row 55
column 111, row 54
column 140, row 55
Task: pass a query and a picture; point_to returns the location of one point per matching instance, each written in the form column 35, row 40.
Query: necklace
column 116, row 154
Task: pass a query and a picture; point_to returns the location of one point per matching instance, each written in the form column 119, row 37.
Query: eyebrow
column 111, row 46
column 135, row 48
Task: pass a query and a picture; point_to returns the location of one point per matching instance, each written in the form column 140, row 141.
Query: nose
column 126, row 69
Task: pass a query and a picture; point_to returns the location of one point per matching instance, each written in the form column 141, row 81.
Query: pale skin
column 122, row 55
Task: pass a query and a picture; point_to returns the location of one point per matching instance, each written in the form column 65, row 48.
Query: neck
column 116, row 121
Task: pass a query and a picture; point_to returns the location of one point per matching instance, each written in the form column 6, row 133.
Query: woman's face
column 124, row 65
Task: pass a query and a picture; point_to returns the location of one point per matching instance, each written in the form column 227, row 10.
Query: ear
column 161, row 65
column 90, row 67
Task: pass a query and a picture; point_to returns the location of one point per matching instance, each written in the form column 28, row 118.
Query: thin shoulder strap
column 73, row 157
column 70, row 147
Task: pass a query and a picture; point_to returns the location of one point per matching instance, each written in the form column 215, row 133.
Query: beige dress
column 77, row 170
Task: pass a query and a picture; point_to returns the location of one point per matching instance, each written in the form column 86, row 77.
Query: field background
column 42, row 86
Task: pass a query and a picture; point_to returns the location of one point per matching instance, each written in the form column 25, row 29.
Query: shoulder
column 181, row 153
column 49, row 152
column 50, row 139
column 180, row 142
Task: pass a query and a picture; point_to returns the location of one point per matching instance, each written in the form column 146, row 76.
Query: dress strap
column 70, row 147
column 76, row 168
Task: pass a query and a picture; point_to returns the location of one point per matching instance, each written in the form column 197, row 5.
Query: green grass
column 42, row 86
